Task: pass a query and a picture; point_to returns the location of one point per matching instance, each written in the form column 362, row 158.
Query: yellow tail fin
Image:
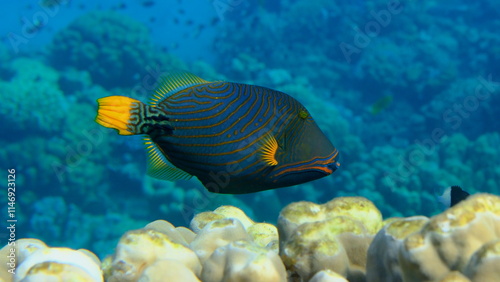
column 114, row 112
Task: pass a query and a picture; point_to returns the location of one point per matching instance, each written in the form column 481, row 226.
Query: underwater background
column 409, row 93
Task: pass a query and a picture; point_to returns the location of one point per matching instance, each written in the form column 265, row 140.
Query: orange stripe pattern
column 217, row 131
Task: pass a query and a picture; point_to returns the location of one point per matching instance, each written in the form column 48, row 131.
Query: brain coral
column 319, row 242
column 462, row 239
column 112, row 47
column 333, row 236
column 35, row 261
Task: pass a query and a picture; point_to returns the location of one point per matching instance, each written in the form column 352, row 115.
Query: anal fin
column 159, row 166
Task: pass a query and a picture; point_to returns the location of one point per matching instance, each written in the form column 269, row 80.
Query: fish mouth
column 335, row 162
column 326, row 165
column 289, row 176
column 321, row 166
column 333, row 166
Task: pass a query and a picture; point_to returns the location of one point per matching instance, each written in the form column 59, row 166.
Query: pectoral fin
column 268, row 149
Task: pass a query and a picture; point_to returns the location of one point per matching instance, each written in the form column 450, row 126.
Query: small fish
column 34, row 27
column 453, row 195
column 50, row 3
column 147, row 3
column 119, row 6
column 381, row 104
column 235, row 138
column 214, row 21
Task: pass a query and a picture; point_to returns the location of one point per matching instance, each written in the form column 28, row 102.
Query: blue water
column 82, row 186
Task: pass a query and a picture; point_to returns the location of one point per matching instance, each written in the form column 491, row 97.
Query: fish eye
column 303, row 114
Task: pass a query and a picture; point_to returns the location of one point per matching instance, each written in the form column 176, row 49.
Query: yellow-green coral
column 53, row 271
column 421, row 249
column 168, row 270
column 448, row 240
column 202, row 219
column 337, row 243
column 60, row 263
column 140, row 248
column 328, row 242
column 265, row 235
column 327, row 276
column 383, row 253
column 243, row 261
column 216, row 234
column 357, row 208
column 334, row 236
column 400, row 228
column 183, row 237
column 484, row 263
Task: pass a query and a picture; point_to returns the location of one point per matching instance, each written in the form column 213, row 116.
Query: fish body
column 235, row 138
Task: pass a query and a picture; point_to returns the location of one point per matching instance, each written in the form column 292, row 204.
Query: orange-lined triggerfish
column 235, row 138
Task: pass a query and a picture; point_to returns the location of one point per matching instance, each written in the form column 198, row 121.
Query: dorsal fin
column 159, row 166
column 172, row 83
column 269, row 146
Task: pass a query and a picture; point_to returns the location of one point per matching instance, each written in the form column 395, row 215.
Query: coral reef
column 344, row 239
column 84, row 188
column 137, row 250
column 447, row 242
column 34, row 261
column 113, row 48
column 115, row 51
column 220, row 247
column 421, row 249
column 31, row 98
column 333, row 236
column 243, row 260
column 64, row 224
column 382, row 257
column 438, row 71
